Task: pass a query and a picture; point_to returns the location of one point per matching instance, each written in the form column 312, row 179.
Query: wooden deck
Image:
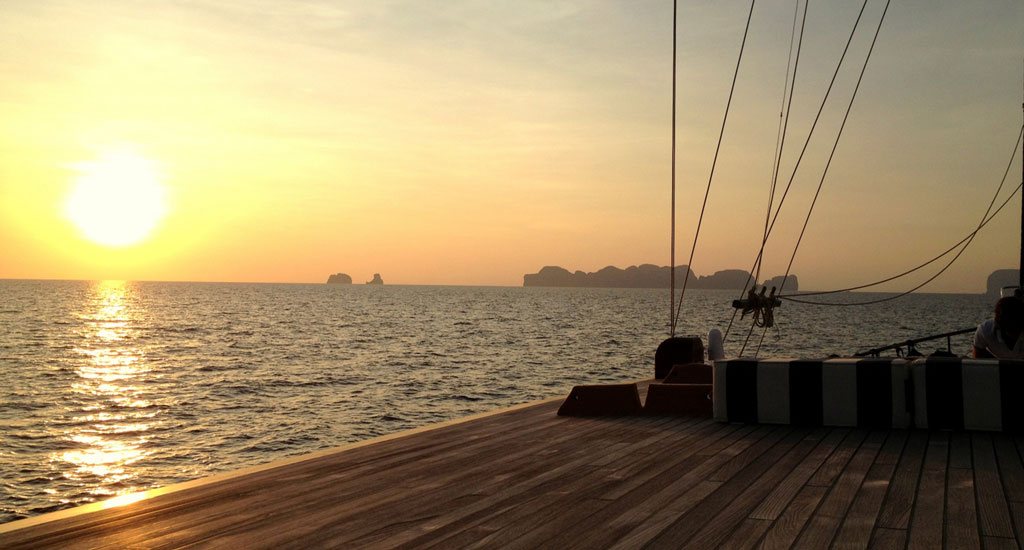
column 526, row 478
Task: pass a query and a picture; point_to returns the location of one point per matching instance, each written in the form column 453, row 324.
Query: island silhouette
column 649, row 276
column 339, row 279
column 1000, row 278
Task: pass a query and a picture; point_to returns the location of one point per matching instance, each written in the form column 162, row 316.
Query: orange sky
column 470, row 143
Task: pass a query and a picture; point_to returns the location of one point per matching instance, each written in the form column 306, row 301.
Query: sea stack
column 339, row 279
column 1000, row 278
column 376, row 280
column 792, row 284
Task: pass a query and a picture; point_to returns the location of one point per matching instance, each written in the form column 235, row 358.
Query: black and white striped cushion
column 973, row 394
column 832, row 392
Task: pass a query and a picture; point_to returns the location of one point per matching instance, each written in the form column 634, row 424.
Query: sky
column 469, row 142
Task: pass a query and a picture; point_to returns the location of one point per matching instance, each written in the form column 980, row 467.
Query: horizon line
column 438, row 285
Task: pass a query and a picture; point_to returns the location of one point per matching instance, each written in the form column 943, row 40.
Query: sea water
column 114, row 387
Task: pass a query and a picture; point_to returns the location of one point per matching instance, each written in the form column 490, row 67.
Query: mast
column 1020, row 273
column 672, row 254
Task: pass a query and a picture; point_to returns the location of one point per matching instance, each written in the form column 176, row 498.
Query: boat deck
column 526, row 478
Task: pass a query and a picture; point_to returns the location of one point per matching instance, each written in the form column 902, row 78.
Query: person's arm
column 981, row 343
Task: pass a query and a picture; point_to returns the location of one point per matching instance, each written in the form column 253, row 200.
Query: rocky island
column 376, row 280
column 1000, row 278
column 648, row 276
column 339, row 279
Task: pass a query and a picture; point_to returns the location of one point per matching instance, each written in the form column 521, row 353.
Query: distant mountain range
column 648, row 276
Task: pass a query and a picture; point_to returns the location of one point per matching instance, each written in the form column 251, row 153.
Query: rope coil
column 761, row 307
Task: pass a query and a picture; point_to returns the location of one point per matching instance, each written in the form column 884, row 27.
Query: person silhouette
column 1000, row 337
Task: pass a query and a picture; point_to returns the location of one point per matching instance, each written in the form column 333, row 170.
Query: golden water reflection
column 112, row 417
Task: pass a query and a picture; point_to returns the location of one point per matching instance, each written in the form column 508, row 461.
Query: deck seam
column 866, row 446
column 888, row 489
column 1006, row 489
column 945, row 492
column 831, row 486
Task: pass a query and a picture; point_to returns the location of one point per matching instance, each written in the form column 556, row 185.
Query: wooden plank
column 726, row 448
column 1011, row 469
column 725, row 521
column 836, row 462
column 773, row 505
column 528, row 490
column 315, row 519
column 993, row 511
column 366, row 499
column 961, row 524
column 999, row 543
column 926, row 523
column 1017, row 514
column 527, row 533
column 656, row 523
column 826, row 520
column 709, row 522
column 648, row 509
column 743, row 459
column 535, row 516
column 892, row 450
column 896, row 509
column 960, row 450
column 747, row 534
column 643, row 520
column 663, row 460
column 670, row 462
column 569, row 480
column 451, row 525
column 787, row 528
column 860, row 522
column 889, row 539
column 857, row 526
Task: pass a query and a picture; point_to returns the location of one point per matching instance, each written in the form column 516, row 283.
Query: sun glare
column 117, row 199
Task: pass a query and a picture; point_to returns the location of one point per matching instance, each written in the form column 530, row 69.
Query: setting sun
column 117, row 199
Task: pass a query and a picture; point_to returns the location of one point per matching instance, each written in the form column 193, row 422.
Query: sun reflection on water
column 111, row 418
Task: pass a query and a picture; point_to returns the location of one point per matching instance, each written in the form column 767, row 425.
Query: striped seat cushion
column 973, row 394
column 833, row 392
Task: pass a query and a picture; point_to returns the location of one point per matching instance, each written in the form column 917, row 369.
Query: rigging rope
column 746, row 340
column 766, row 321
column 814, row 125
column 965, row 242
column 1020, row 135
column 784, row 109
column 714, row 162
column 780, row 142
column 807, row 142
column 835, row 145
column 828, row 164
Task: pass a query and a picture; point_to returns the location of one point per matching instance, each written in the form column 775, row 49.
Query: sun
column 117, row 199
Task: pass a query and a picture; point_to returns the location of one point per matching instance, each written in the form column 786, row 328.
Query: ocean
column 112, row 387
